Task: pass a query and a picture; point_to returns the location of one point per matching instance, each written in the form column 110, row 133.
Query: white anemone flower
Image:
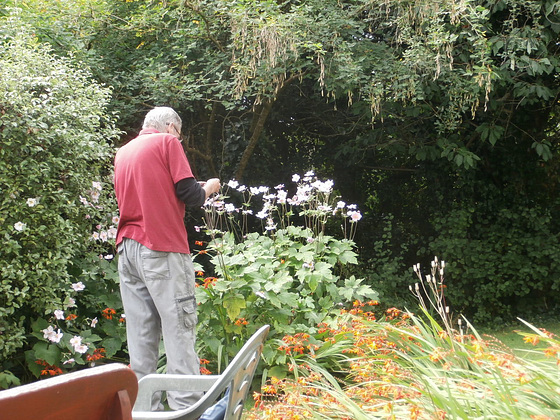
column 19, row 226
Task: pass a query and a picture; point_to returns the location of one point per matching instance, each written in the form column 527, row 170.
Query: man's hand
column 211, row 186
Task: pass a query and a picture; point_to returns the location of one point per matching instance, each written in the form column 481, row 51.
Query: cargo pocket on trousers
column 155, row 265
column 187, row 311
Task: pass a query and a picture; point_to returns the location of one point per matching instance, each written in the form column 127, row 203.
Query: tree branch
column 196, row 9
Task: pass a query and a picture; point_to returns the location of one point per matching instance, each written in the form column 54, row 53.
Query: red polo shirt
column 146, row 171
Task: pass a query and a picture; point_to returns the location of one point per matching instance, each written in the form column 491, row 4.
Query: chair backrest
column 237, row 377
column 239, row 373
column 105, row 392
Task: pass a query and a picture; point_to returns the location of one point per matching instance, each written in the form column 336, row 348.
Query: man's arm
column 193, row 193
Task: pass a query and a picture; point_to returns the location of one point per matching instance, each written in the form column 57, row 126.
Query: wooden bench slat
column 101, row 393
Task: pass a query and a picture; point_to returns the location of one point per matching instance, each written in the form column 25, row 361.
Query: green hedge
column 55, row 141
column 502, row 264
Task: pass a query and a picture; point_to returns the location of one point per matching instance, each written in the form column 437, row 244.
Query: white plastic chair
column 237, row 377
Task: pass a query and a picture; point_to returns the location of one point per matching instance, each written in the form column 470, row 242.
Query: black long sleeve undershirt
column 190, row 192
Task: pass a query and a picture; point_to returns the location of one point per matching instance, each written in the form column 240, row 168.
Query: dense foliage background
column 438, row 118
column 56, row 142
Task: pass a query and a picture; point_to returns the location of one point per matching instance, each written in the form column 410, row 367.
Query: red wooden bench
column 106, row 392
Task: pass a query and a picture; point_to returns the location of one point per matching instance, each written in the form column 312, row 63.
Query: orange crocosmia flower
column 50, row 370
column 299, row 349
column 414, row 412
column 209, row 281
column 547, row 333
column 551, row 351
column 523, row 378
column 443, row 334
column 97, row 354
column 275, row 381
column 199, row 243
column 71, row 317
column 285, row 349
column 437, row 355
column 478, row 346
column 533, row 339
column 269, row 389
column 241, row 321
column 388, row 407
column 393, row 313
column 108, row 313
column 441, row 415
column 405, row 316
column 204, row 371
column 200, row 273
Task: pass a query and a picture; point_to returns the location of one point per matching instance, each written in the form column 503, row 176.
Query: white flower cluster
column 308, row 188
column 76, row 342
column 52, row 335
column 313, row 197
column 55, row 336
column 31, row 202
column 102, row 234
column 94, row 194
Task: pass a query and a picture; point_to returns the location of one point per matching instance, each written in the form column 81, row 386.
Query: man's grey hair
column 160, row 117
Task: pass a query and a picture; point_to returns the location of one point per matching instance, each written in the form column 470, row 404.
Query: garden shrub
column 385, row 268
column 55, row 147
column 502, row 264
column 291, row 275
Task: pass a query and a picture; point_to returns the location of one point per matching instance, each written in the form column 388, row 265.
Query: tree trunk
column 260, row 119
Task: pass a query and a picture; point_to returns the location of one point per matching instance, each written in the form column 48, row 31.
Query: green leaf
column 8, row 380
column 50, row 353
column 289, row 300
column 313, row 281
column 111, row 345
column 234, row 305
column 279, row 372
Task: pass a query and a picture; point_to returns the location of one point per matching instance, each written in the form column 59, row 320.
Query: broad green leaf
column 234, row 305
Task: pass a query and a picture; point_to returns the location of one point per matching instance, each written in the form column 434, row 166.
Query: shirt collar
column 148, row 131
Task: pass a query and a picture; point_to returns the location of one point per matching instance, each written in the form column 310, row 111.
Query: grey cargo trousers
column 157, row 291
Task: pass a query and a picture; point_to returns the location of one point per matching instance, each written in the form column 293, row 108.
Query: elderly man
column 153, row 183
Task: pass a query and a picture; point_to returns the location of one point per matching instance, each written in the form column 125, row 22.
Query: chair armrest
column 152, row 383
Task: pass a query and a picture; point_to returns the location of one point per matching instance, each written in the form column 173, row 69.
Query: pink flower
column 354, row 215
column 78, row 287
column 52, row 335
column 76, row 342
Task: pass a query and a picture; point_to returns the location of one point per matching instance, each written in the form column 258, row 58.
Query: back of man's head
column 160, row 117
